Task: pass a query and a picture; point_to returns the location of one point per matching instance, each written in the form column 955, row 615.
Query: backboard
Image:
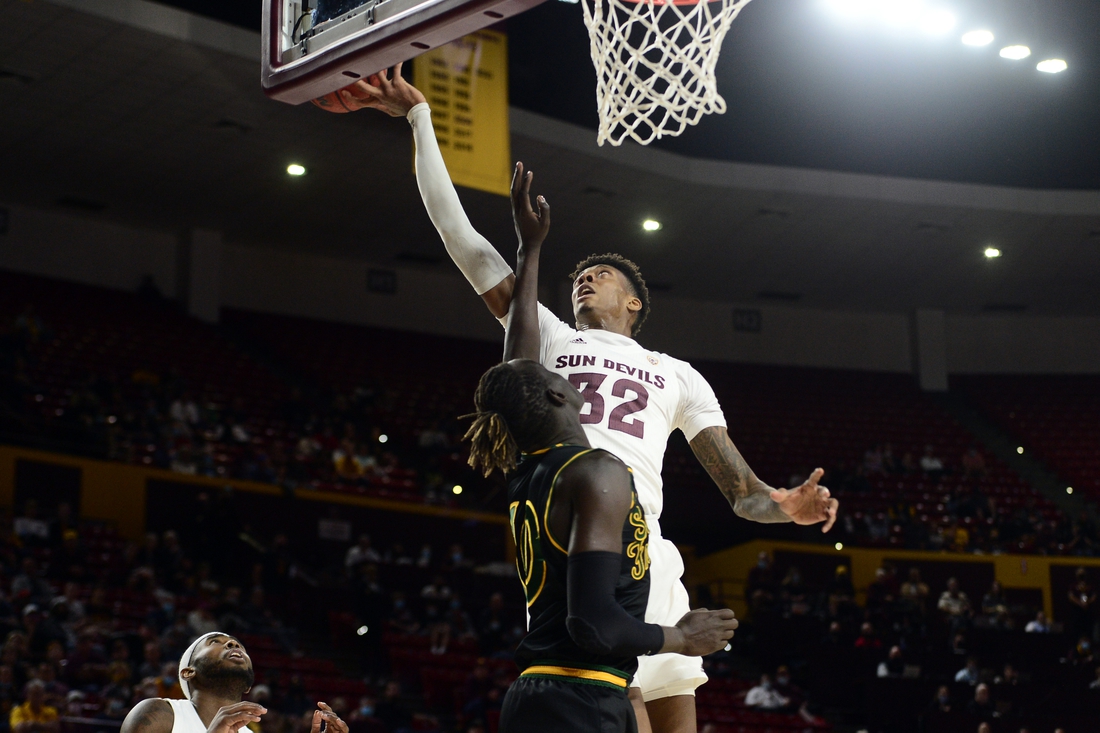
column 313, row 47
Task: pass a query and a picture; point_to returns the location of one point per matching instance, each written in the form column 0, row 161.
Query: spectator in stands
column 1082, row 652
column 941, row 702
column 995, row 608
column 1038, row 625
column 361, row 552
column 867, row 638
column 893, row 666
column 914, row 593
column 973, row 464
column 955, row 606
column 970, row 674
column 1008, row 677
column 761, row 585
column 34, row 716
column 394, row 714
column 401, row 619
column 494, row 629
column 872, row 461
column 1095, row 684
column 984, row 727
column 1082, row 598
column 931, row 464
column 437, row 590
column 765, row 697
column 792, row 593
column 982, row 705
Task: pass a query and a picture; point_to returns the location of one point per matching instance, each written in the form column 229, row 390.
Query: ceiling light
column 992, row 253
column 651, row 225
column 1020, row 450
column 839, row 545
column 456, row 490
column 937, row 22
column 1052, row 66
column 977, row 38
column 1015, row 52
column 296, row 170
column 362, row 631
column 383, row 438
column 1069, row 489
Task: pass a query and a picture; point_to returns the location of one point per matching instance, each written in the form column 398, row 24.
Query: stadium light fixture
column 839, row 546
column 362, row 631
column 1052, row 66
column 296, row 170
column 1069, row 489
column 456, row 490
column 651, row 225
column 1015, row 53
column 383, row 438
column 977, row 38
column 1020, row 450
column 992, row 253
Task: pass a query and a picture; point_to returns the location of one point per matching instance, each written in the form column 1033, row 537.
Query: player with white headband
column 215, row 673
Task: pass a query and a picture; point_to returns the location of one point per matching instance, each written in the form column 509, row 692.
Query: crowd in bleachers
column 128, row 377
column 983, row 655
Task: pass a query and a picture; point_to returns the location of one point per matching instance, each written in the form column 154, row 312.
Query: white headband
column 185, row 660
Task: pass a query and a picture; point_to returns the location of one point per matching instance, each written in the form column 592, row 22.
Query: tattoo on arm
column 149, row 716
column 748, row 495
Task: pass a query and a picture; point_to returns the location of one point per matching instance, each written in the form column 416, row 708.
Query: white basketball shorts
column 666, row 675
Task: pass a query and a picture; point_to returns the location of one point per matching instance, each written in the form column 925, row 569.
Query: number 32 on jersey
column 634, row 395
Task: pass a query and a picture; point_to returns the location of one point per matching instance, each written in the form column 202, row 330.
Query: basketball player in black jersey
column 581, row 535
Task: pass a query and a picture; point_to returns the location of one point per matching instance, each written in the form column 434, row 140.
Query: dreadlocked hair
column 511, row 417
column 633, row 276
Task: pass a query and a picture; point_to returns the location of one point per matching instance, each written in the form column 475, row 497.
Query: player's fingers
column 724, row 614
column 834, row 505
column 397, row 73
column 316, row 726
column 517, row 177
column 823, row 492
column 544, row 213
column 373, row 88
column 527, row 178
column 815, row 476
column 780, row 495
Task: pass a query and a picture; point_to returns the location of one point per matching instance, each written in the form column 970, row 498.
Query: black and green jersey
column 542, row 561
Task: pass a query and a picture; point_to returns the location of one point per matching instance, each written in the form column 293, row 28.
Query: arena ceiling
column 109, row 120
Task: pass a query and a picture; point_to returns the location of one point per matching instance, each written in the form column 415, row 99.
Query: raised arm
column 488, row 273
column 521, row 338
column 753, row 499
column 598, row 486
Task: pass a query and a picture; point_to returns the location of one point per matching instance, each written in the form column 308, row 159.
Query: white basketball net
column 655, row 64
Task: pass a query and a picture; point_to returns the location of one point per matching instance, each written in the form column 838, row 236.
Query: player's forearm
column 596, row 621
column 475, row 256
column 521, row 339
column 748, row 495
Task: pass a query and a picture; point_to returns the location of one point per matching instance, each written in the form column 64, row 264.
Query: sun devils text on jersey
column 542, row 560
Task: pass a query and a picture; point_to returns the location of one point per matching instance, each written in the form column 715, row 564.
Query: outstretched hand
column 392, row 95
column 809, row 503
column 531, row 226
column 333, row 723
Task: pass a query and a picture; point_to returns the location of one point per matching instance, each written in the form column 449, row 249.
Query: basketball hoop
column 655, row 64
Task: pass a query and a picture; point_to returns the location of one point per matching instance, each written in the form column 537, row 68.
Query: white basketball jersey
column 634, row 397
column 187, row 719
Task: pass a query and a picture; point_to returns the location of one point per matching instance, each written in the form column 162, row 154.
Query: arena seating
column 785, row 420
column 1053, row 416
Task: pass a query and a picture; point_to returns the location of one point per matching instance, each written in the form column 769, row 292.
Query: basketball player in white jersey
column 635, row 397
column 215, row 673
